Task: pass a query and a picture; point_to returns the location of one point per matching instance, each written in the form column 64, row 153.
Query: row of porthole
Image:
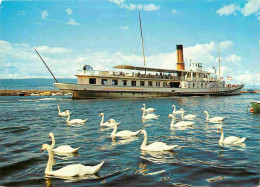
column 140, row 93
column 214, row 90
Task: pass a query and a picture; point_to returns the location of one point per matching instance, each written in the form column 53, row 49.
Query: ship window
column 164, row 84
column 92, row 81
column 150, row 83
column 158, row 84
column 104, row 81
column 193, row 85
column 124, row 82
column 133, row 83
column 114, row 82
column 201, row 85
column 142, row 83
column 188, row 85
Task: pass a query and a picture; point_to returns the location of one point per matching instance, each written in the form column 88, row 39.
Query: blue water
column 25, row 123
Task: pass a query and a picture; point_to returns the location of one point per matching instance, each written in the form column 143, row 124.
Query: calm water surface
column 25, row 123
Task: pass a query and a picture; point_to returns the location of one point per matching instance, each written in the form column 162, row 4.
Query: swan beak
column 218, row 130
column 41, row 150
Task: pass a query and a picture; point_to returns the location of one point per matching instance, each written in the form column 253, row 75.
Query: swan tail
column 97, row 167
column 85, row 120
column 241, row 140
column 173, row 146
column 75, row 150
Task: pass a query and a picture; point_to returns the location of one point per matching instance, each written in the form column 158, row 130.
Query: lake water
column 25, row 123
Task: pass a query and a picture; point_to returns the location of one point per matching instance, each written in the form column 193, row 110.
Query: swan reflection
column 122, row 141
column 142, row 169
column 159, row 157
column 69, row 179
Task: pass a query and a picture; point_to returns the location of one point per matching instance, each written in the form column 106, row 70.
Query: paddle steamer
column 133, row 82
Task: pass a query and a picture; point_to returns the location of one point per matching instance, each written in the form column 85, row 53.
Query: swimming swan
column 108, row 123
column 70, row 170
column 61, row 149
column 65, row 113
column 122, row 134
column 75, row 120
column 215, row 119
column 149, row 116
column 148, row 109
column 174, row 112
column 188, row 117
column 230, row 139
column 180, row 123
column 156, row 146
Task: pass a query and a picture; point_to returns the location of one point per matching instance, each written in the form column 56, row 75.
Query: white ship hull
column 81, row 91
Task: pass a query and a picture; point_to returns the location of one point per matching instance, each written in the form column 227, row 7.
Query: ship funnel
column 180, row 62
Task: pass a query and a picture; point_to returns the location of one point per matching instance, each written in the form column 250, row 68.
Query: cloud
column 144, row 7
column 118, row 2
column 19, row 60
column 69, row 11
column 52, row 50
column 233, row 59
column 44, row 14
column 131, row 6
column 224, row 45
column 228, row 9
column 174, row 11
column 253, row 6
column 124, row 27
column 73, row 22
column 21, row 13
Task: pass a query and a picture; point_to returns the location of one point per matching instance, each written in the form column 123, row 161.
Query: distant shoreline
column 28, row 92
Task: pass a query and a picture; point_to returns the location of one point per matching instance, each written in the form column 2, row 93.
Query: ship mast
column 142, row 37
column 218, row 60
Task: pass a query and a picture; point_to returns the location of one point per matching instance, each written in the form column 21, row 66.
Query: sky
column 105, row 33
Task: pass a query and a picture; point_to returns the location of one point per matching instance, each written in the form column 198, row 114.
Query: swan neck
column 53, row 141
column 182, row 115
column 102, row 121
column 50, row 161
column 68, row 119
column 143, row 113
column 207, row 115
column 59, row 109
column 114, row 131
column 174, row 108
column 145, row 140
column 172, row 121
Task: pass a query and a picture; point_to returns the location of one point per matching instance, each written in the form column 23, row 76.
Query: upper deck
column 132, row 72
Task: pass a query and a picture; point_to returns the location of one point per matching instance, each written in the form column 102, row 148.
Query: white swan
column 149, row 116
column 75, row 120
column 70, row 170
column 180, row 123
column 174, row 112
column 156, row 146
column 230, row 139
column 215, row 119
column 109, row 123
column 65, row 113
column 148, row 109
column 122, row 134
column 188, row 117
column 64, row 149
